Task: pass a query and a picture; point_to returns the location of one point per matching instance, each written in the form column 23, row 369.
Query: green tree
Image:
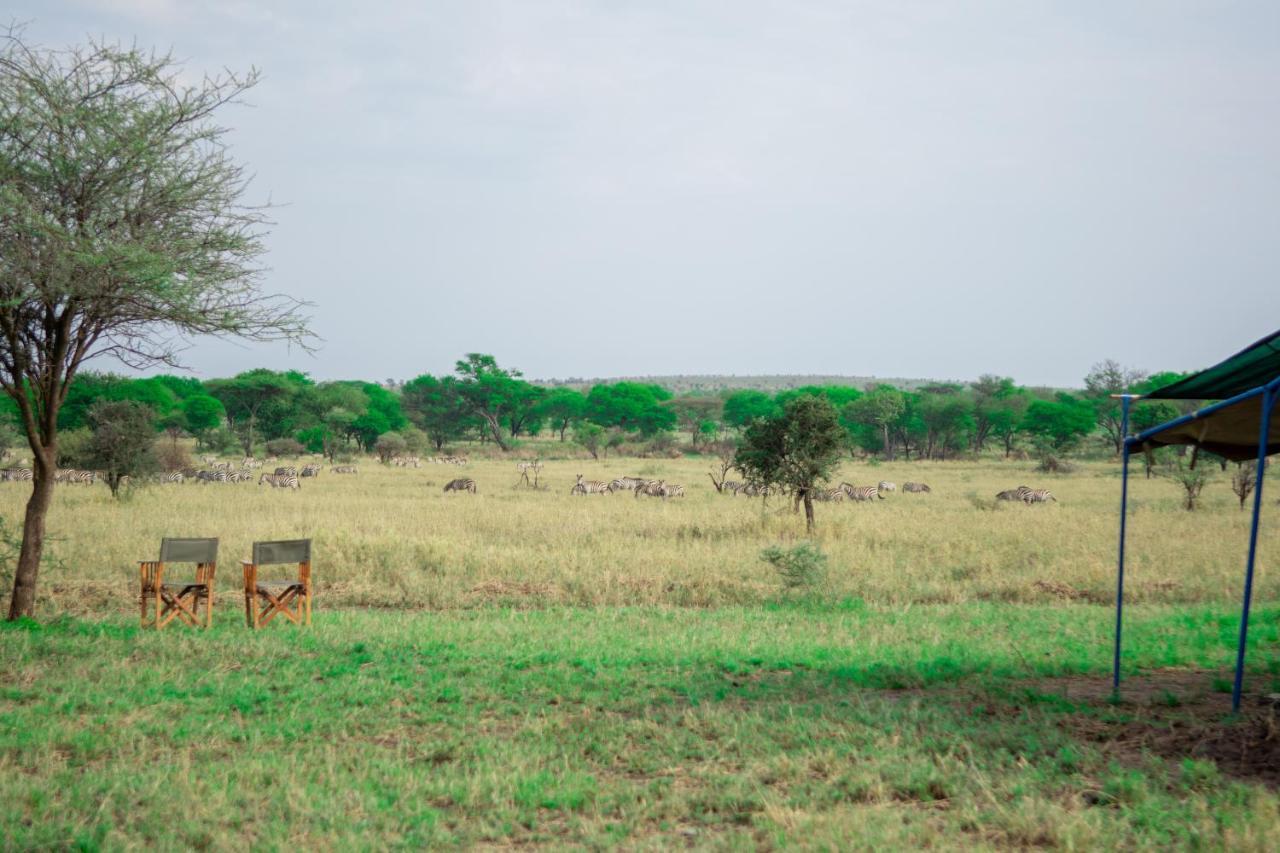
column 121, row 442
column 494, row 394
column 880, row 408
column 122, row 233
column 590, row 437
column 202, row 413
column 631, row 407
column 946, row 412
column 562, row 408
column 743, row 407
column 795, row 450
column 692, row 412
column 1059, row 423
column 249, row 395
column 438, row 407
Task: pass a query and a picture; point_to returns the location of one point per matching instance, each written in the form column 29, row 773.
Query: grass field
column 530, row 667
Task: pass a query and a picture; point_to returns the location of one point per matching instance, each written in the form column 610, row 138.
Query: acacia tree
column 122, row 444
column 795, row 450
column 122, row 233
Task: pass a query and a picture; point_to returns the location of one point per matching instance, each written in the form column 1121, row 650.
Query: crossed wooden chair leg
column 162, row 603
column 265, row 600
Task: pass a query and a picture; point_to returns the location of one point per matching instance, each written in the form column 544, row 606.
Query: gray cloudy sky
column 892, row 188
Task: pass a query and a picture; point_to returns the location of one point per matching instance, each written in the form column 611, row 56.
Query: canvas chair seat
column 266, row 599
column 164, row 601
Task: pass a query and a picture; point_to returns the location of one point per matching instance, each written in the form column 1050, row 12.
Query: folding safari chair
column 163, row 602
column 264, row 600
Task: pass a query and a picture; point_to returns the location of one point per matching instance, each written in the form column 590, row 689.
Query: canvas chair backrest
column 189, row 550
column 276, row 553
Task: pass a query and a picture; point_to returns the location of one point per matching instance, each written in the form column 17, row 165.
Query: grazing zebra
column 915, row 487
column 462, row 484
column 310, row 471
column 72, row 475
column 343, row 469
column 591, row 487
column 731, row 486
column 627, row 484
column 836, row 495
column 172, row 477
column 250, row 462
column 217, row 476
column 16, row 475
column 861, row 493
column 886, row 486
column 222, row 466
column 406, row 461
column 287, row 471
column 280, row 481
column 653, row 489
column 675, row 490
column 1037, row 496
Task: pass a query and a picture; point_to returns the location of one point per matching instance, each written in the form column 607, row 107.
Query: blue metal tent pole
column 1124, row 514
column 1264, row 439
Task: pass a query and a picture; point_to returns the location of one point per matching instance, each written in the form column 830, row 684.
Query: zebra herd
column 636, row 485
column 1027, row 495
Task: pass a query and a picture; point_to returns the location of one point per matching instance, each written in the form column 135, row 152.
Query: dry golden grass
column 389, row 536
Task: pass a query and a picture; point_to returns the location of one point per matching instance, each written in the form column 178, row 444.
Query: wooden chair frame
column 161, row 602
column 265, row 600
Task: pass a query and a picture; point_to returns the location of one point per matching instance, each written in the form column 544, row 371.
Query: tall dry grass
column 388, row 537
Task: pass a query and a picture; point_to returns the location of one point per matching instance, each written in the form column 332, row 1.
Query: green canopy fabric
column 1253, row 366
column 1232, row 430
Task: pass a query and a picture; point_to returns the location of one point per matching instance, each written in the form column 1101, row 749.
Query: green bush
column 801, row 567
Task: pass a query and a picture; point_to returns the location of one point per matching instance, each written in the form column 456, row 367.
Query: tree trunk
column 808, row 511
column 495, row 428
column 563, row 426
column 27, row 573
column 888, row 447
column 719, row 486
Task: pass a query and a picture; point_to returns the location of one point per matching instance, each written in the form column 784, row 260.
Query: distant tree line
column 486, row 402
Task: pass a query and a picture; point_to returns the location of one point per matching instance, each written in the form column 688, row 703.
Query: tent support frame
column 1264, row 433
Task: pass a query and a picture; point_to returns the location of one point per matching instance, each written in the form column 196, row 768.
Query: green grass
column 823, row 726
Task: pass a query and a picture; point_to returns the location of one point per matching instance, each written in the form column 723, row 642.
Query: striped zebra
column 221, row 466
column 886, row 486
column 731, row 487
column 310, row 471
column 73, row 475
column 1036, row 496
column 280, row 481
column 590, row 487
column 627, row 484
column 172, row 477
column 343, row 469
column 861, row 493
column 250, row 462
column 653, row 489
column 287, row 471
column 461, row 484
column 16, row 475
column 674, row 490
column 215, row 476
column 916, row 487
column 834, row 495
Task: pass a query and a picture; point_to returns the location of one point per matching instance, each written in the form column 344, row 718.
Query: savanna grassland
column 525, row 666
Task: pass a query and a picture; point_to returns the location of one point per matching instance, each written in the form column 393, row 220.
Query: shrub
column 1051, row 464
column 801, row 567
column 73, row 448
column 221, row 440
column 172, row 457
column 284, row 447
column 389, row 444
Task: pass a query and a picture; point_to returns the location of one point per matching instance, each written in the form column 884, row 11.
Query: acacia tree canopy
column 122, row 232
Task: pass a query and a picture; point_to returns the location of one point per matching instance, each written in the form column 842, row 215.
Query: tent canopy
column 1231, row 428
column 1252, row 366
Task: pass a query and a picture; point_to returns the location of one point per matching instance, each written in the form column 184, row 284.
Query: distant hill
column 715, row 383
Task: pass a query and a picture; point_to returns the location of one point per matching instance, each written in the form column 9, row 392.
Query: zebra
column 461, row 484
column 675, row 490
column 590, row 487
column 310, row 471
column 218, row 476
column 1037, row 496
column 653, row 489
column 835, row 495
column 16, row 475
column 916, row 487
column 172, row 477
column 72, row 475
column 1010, row 494
column 286, row 471
column 343, row 469
column 250, row 462
column 727, row 486
column 627, row 484
column 886, row 486
column 280, row 481
column 222, row 466
column 861, row 493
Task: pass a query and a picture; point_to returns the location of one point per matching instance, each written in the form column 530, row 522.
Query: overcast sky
column 619, row 188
